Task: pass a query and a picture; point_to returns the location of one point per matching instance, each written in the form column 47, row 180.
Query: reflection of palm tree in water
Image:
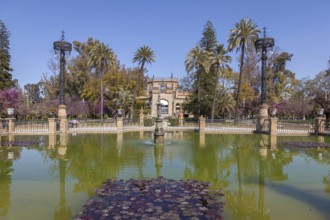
column 246, row 205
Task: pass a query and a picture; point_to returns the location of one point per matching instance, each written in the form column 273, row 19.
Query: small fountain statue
column 159, row 130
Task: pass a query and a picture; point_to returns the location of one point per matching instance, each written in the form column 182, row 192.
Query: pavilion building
column 171, row 97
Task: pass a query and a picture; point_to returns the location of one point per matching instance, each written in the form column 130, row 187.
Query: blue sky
column 169, row 27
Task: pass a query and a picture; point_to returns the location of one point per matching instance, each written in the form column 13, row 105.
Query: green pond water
column 53, row 178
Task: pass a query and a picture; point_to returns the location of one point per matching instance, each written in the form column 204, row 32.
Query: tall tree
column 33, row 93
column 242, row 37
column 6, row 80
column 101, row 58
column 220, row 59
column 194, row 62
column 143, row 55
column 208, row 76
column 79, row 70
column 209, row 39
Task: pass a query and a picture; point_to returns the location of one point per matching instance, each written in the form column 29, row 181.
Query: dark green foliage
column 173, row 121
column 6, row 80
column 148, row 122
column 209, row 39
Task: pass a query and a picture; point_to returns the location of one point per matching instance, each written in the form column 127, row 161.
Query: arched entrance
column 164, row 108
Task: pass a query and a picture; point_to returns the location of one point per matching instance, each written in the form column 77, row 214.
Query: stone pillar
column 64, row 125
column 181, row 117
column 319, row 125
column 273, row 126
column 141, row 117
column 11, row 125
column 263, row 115
column 201, row 124
column 52, row 125
column 119, row 124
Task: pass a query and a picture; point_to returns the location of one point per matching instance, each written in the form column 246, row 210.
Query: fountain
column 159, row 130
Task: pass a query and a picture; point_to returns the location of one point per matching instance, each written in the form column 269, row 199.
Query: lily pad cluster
column 157, row 198
column 304, row 144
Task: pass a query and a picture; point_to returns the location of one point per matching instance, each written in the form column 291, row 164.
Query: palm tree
column 143, row 55
column 101, row 58
column 226, row 102
column 124, row 99
column 196, row 59
column 219, row 59
column 242, row 37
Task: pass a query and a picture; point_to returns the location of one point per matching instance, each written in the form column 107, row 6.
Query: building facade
column 171, row 97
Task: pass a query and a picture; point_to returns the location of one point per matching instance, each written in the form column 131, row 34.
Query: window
column 164, row 108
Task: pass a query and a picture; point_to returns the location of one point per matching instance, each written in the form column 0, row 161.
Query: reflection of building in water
column 171, row 97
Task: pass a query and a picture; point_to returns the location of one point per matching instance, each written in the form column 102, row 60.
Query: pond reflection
column 260, row 178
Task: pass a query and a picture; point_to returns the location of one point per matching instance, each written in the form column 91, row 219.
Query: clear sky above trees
column 170, row 28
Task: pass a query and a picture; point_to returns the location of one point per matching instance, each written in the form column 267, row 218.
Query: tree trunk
column 102, row 99
column 239, row 84
column 135, row 89
column 199, row 94
column 215, row 92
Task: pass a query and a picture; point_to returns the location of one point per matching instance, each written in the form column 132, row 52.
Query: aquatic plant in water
column 157, row 198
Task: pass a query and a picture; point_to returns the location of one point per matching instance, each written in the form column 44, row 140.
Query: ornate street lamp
column 263, row 45
column 62, row 47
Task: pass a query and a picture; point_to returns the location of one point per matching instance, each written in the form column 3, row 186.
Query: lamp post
column 262, row 45
column 62, row 47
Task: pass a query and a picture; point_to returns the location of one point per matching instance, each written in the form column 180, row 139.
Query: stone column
column 119, row 124
column 181, row 117
column 201, row 124
column 273, row 126
column 64, row 125
column 11, row 125
column 141, row 117
column 319, row 125
column 52, row 125
column 263, row 115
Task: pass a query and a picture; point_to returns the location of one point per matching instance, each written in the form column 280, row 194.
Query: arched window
column 164, row 108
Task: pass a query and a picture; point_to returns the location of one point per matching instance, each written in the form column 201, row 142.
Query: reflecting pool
column 53, row 177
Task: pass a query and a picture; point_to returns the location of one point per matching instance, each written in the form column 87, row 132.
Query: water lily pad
column 157, row 198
